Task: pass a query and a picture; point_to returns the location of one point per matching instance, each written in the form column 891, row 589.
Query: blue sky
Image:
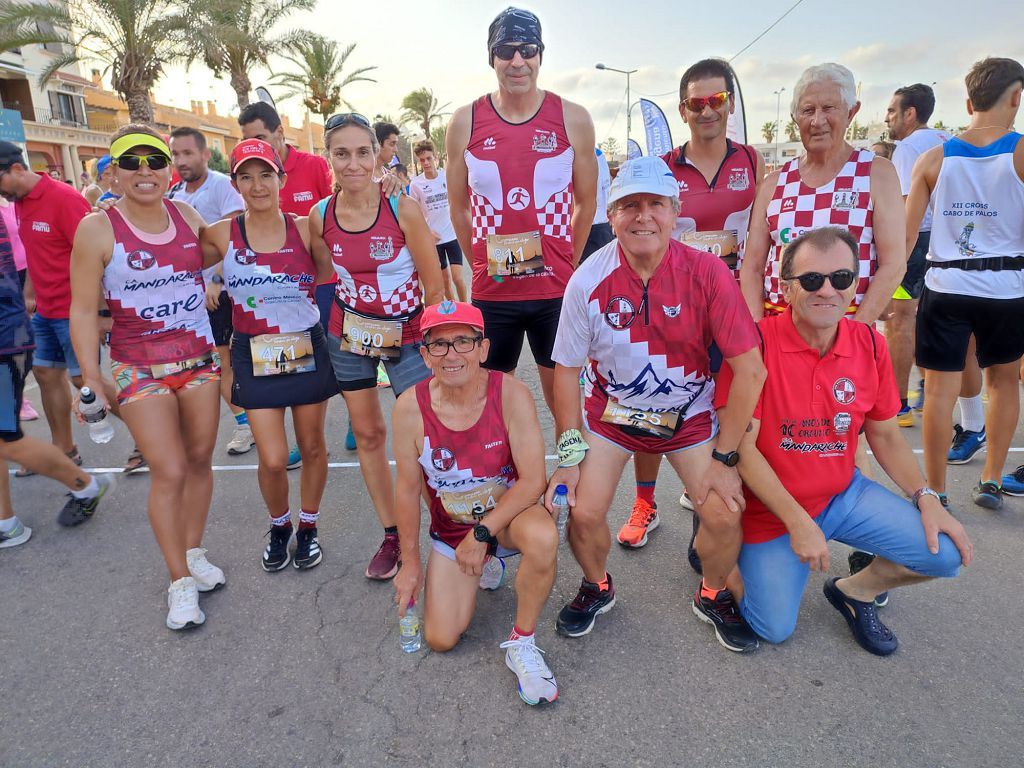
column 442, row 45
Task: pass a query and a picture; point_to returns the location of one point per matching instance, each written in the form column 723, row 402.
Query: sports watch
column 730, row 459
column 482, row 534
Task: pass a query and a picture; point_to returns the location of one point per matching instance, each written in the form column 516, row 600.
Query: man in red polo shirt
column 828, row 377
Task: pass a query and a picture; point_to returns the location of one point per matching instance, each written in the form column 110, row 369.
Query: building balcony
column 46, row 117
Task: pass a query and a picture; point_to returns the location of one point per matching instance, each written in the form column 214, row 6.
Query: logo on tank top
column 738, row 180
column 245, row 256
column 671, row 312
column 141, row 260
column 845, row 200
column 789, row 204
column 620, row 313
column 442, row 459
column 963, row 243
column 841, row 423
column 544, row 141
column 336, row 250
column 518, row 198
column 490, row 143
column 367, row 293
column 382, row 248
column 844, row 391
column 683, row 186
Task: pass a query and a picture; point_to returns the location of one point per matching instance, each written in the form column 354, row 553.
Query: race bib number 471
column 274, row 354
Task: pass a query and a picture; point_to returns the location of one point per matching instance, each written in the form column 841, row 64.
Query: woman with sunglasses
column 279, row 349
column 144, row 252
column 384, row 257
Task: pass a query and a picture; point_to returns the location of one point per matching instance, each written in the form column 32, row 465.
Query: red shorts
column 694, row 431
column 135, row 382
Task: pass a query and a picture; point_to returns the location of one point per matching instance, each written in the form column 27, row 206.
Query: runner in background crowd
column 430, row 190
column 600, row 231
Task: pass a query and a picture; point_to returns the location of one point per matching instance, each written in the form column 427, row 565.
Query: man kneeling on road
column 644, row 310
column 828, row 377
column 474, row 437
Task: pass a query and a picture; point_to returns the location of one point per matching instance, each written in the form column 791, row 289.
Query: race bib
column 371, row 337
column 514, row 254
column 163, row 370
column 276, row 353
column 467, row 507
column 721, row 243
column 661, row 424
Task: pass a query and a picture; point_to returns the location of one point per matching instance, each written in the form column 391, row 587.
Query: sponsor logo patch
column 442, row 459
column 620, row 313
column 140, row 260
column 844, row 391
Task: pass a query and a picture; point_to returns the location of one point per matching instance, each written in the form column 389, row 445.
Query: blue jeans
column 865, row 516
column 53, row 344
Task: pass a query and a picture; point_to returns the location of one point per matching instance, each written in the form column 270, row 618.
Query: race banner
column 659, row 137
column 633, row 150
column 736, row 128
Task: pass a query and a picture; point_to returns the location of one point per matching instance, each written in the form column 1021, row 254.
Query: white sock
column 91, row 491
column 8, row 525
column 972, row 413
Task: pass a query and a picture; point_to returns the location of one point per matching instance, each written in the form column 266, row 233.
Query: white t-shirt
column 432, row 196
column 214, row 200
column 906, row 154
column 604, row 185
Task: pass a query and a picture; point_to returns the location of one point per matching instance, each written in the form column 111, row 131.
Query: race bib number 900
column 274, row 354
column 469, row 506
column 371, row 337
column 514, row 254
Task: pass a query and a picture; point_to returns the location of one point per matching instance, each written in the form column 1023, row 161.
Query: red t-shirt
column 309, row 181
column 811, row 410
column 48, row 218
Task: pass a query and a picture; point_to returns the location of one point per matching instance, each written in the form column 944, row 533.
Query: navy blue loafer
column 868, row 630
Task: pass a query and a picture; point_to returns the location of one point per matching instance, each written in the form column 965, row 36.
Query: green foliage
column 319, row 74
column 421, row 108
column 217, row 161
column 768, row 131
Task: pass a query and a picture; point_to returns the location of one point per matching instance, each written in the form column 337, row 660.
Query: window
column 46, row 28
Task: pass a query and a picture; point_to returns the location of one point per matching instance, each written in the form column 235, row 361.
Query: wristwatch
column 926, row 491
column 730, row 459
column 217, row 279
column 482, row 534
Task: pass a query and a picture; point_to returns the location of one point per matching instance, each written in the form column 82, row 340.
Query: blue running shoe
column 294, row 458
column 1013, row 483
column 350, row 439
column 965, row 445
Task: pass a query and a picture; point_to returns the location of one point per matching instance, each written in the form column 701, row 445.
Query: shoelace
column 725, row 606
column 198, row 562
column 1018, row 474
column 641, row 514
column 959, row 436
column 529, row 655
column 179, row 596
column 584, row 598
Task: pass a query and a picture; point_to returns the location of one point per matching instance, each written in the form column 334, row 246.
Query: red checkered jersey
column 376, row 273
column 796, row 208
column 648, row 343
column 270, row 292
column 520, row 181
column 723, row 204
column 457, row 462
column 156, row 294
column 811, row 409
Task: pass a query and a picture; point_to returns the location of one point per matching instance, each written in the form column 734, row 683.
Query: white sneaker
column 686, row 502
column 183, row 610
column 493, row 575
column 536, row 683
column 241, row 441
column 208, row 576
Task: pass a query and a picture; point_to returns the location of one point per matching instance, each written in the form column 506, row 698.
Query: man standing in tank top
column 975, row 281
column 522, row 181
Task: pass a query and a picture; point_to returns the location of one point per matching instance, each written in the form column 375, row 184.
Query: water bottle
column 560, row 505
column 409, row 629
column 100, row 428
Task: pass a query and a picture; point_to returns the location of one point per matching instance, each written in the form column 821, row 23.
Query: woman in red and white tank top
column 144, row 252
column 278, row 349
column 387, row 267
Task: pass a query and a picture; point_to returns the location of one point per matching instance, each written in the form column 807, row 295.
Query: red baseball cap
column 255, row 149
column 450, row 312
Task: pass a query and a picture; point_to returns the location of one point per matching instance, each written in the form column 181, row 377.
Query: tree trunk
column 140, row 108
column 242, row 86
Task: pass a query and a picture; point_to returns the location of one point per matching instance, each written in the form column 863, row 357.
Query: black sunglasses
column 841, row 279
column 507, row 51
column 345, row 118
column 134, row 162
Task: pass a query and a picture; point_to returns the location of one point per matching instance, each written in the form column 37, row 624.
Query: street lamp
column 778, row 125
column 629, row 106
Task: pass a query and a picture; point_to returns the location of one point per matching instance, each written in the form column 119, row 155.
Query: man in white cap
column 640, row 314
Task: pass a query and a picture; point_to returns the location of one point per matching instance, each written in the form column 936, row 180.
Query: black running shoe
column 275, row 556
column 77, row 511
column 859, row 560
column 577, row 618
column 723, row 614
column 691, row 551
column 307, row 549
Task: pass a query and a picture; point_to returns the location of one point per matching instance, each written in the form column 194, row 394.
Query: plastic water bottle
column 409, row 629
column 100, row 428
column 560, row 505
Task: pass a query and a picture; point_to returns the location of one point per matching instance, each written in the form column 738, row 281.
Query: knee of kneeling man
column 439, row 641
column 718, row 518
column 947, row 562
column 775, row 631
column 541, row 541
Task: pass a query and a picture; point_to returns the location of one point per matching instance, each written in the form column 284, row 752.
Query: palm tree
column 792, row 131
column 421, row 108
column 768, row 131
column 234, row 36
column 438, row 136
column 319, row 75
column 136, row 39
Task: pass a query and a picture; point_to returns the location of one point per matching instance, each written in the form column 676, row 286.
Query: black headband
column 513, row 25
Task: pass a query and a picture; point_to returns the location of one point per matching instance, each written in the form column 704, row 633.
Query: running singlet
column 15, row 326
column 796, row 208
column 648, row 344
column 978, row 199
column 270, row 292
column 520, row 184
column 714, row 217
column 467, row 471
column 376, row 273
column 156, row 295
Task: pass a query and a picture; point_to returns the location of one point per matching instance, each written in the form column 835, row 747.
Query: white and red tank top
column 270, row 292
column 796, row 208
column 717, row 212
column 520, row 181
column 376, row 274
column 156, row 294
column 458, row 463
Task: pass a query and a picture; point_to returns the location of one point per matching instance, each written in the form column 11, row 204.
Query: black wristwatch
column 482, row 534
column 216, row 279
column 730, row 459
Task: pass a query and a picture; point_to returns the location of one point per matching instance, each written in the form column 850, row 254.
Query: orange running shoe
column 642, row 520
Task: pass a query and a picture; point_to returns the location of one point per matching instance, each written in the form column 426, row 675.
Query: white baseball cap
column 647, row 175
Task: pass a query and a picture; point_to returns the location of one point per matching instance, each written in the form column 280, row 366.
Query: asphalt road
column 304, row 669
